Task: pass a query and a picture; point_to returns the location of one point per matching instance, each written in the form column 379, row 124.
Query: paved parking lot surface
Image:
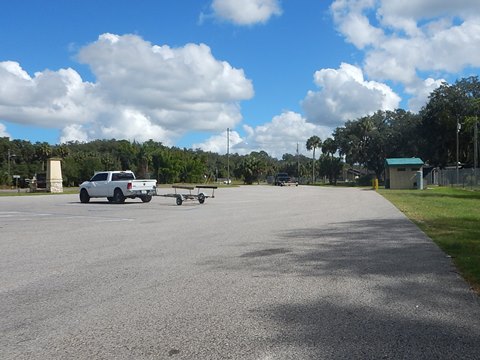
column 259, row 272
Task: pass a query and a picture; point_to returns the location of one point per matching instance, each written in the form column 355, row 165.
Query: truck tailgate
column 143, row 184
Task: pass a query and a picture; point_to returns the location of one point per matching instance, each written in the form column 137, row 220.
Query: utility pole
column 228, row 155
column 8, row 164
column 456, row 165
column 298, row 164
column 475, row 146
column 9, row 156
column 476, row 103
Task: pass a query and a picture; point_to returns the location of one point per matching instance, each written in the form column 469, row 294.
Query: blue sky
column 182, row 71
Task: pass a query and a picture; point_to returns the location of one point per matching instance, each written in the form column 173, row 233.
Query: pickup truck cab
column 116, row 186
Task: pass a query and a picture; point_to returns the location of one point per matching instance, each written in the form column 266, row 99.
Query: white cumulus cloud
column 220, row 142
column 49, row 98
column 73, row 132
column 142, row 91
column 354, row 24
column 3, row 131
column 421, row 91
column 345, row 95
column 277, row 137
column 246, row 12
column 412, row 42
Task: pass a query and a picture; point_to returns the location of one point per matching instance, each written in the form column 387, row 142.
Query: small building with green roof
column 401, row 173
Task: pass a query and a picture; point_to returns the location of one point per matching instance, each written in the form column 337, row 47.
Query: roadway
column 259, row 272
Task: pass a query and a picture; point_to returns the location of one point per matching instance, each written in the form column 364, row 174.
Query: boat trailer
column 200, row 196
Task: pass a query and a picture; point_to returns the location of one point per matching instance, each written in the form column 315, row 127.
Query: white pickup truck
column 116, row 186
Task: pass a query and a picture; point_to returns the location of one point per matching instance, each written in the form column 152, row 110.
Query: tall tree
column 61, row 150
column 447, row 113
column 251, row 169
column 313, row 143
column 329, row 147
column 403, row 138
column 330, row 166
column 363, row 141
column 43, row 151
column 145, row 157
column 127, row 153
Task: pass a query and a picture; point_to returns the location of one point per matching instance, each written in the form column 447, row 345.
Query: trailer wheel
column 118, row 197
column 84, row 197
column 201, row 198
column 146, row 198
column 179, row 200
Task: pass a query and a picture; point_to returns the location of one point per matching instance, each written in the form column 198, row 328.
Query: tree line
column 445, row 129
column 150, row 159
column 450, row 114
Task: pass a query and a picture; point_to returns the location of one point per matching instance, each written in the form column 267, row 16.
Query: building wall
column 403, row 177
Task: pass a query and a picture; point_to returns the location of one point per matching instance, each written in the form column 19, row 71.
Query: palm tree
column 62, row 150
column 312, row 143
column 251, row 168
column 43, row 151
column 145, row 157
column 330, row 165
column 329, row 147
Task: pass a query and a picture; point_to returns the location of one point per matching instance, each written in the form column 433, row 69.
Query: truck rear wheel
column 84, row 197
column 118, row 197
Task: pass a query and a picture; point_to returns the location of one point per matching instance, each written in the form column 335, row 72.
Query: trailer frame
column 200, row 196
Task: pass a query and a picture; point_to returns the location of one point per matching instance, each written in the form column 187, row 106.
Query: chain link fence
column 466, row 178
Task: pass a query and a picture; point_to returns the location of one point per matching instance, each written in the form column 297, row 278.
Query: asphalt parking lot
column 259, row 272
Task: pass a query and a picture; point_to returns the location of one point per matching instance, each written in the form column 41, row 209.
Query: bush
column 365, row 180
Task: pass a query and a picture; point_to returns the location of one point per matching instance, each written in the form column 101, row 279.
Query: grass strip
column 451, row 218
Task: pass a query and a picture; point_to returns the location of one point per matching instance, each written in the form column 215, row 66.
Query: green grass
column 451, row 218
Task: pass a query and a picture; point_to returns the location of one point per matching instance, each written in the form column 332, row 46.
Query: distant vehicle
column 283, row 179
column 116, row 186
column 280, row 178
column 41, row 180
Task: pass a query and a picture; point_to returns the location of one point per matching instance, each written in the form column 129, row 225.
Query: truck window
column 100, row 177
column 122, row 176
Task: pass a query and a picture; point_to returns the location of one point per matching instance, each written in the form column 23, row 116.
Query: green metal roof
column 403, row 161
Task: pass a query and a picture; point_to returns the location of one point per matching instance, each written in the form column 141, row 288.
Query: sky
column 182, row 72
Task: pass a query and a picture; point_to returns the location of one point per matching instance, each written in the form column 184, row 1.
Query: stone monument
column 54, row 175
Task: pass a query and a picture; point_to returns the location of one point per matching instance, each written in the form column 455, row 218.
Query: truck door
column 98, row 185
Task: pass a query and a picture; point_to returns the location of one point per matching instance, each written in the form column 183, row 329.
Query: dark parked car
column 282, row 179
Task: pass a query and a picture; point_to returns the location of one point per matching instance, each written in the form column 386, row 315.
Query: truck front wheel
column 84, row 197
column 118, row 197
